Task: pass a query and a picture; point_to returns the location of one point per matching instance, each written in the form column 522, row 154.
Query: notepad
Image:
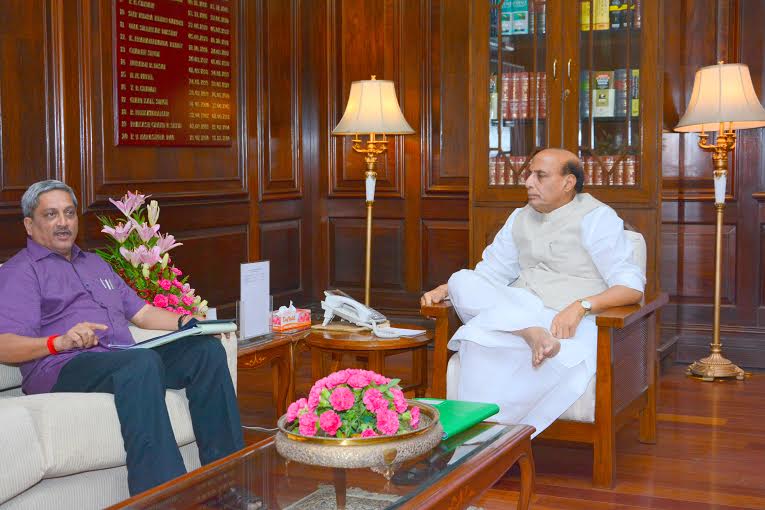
column 458, row 415
column 193, row 328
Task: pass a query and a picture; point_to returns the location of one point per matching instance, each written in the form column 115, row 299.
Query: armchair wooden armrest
column 621, row 316
column 447, row 323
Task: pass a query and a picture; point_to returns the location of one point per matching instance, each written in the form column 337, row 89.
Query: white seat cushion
column 81, row 432
column 22, row 463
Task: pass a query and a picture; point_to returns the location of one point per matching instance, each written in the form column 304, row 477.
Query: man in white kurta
column 528, row 341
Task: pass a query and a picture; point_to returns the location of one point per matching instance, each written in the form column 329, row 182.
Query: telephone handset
column 338, row 303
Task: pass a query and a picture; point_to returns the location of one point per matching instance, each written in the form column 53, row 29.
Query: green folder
column 459, row 415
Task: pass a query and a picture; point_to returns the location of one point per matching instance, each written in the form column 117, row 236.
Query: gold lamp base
column 715, row 366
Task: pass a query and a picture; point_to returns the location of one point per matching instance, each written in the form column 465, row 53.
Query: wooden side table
column 278, row 349
column 339, row 343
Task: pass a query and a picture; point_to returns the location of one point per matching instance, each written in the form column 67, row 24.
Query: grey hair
column 31, row 198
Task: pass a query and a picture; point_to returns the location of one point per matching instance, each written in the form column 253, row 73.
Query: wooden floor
column 710, row 452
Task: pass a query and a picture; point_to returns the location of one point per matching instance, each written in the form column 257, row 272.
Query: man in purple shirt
column 60, row 310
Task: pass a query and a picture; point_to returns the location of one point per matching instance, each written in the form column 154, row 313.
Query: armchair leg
column 648, row 417
column 604, row 460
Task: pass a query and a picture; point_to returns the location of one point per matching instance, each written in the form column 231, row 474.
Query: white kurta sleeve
column 604, row 238
column 499, row 262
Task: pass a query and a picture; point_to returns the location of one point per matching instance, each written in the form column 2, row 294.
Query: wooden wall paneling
column 365, row 40
column 281, row 100
column 203, row 191
column 28, row 134
column 445, row 97
column 178, row 173
column 282, row 202
column 282, row 244
column 444, row 250
column 486, row 222
column 388, row 39
column 347, row 267
column 732, row 34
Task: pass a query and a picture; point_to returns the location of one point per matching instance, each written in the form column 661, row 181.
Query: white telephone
column 337, row 302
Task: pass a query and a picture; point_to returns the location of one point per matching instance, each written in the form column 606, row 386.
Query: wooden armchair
column 625, row 380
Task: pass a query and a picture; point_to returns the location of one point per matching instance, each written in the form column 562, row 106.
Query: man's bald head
column 569, row 164
column 556, row 176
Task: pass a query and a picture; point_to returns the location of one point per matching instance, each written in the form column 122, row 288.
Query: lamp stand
column 715, row 366
column 371, row 150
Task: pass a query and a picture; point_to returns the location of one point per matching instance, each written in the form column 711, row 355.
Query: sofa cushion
column 22, row 463
column 80, row 431
column 10, row 377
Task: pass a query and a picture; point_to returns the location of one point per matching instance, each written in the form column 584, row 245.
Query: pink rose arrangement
column 139, row 254
column 353, row 403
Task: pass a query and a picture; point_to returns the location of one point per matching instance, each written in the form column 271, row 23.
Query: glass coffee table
column 453, row 475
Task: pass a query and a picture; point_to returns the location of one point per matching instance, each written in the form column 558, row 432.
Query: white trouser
column 496, row 364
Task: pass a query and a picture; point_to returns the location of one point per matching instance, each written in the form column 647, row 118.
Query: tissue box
column 289, row 320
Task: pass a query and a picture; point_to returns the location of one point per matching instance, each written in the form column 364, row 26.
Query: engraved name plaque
column 172, row 72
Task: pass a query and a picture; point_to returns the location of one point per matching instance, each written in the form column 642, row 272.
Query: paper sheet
column 254, row 308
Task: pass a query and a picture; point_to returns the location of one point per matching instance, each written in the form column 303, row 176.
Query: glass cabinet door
column 517, row 88
column 609, row 123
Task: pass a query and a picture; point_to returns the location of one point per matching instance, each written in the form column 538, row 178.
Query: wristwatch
column 586, row 305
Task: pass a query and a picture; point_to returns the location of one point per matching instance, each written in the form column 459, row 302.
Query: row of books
column 609, row 94
column 506, row 170
column 523, row 93
column 610, row 14
column 610, row 170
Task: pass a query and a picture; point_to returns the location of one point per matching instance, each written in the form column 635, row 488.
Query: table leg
column 377, row 362
column 526, row 463
column 339, row 479
column 420, row 370
column 293, row 369
column 280, row 374
column 316, row 364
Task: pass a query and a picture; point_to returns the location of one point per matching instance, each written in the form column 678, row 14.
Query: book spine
column 587, row 167
column 542, row 95
column 492, row 171
column 500, row 171
column 507, row 90
column 585, row 21
column 635, row 93
column 600, row 20
column 524, row 106
column 620, row 95
column 630, row 170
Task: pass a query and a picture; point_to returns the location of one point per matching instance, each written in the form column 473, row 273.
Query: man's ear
column 569, row 183
column 28, row 226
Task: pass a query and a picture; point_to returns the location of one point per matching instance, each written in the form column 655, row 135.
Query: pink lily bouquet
column 353, row 403
column 139, row 254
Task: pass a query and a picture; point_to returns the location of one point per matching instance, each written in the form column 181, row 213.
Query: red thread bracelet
column 51, row 347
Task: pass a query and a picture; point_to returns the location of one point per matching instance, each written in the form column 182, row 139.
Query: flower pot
column 382, row 452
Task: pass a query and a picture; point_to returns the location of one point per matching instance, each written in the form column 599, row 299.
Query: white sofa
column 65, row 450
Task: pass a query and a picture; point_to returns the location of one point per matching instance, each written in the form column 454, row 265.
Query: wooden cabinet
column 561, row 73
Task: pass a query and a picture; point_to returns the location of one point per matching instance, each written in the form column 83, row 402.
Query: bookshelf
column 581, row 74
